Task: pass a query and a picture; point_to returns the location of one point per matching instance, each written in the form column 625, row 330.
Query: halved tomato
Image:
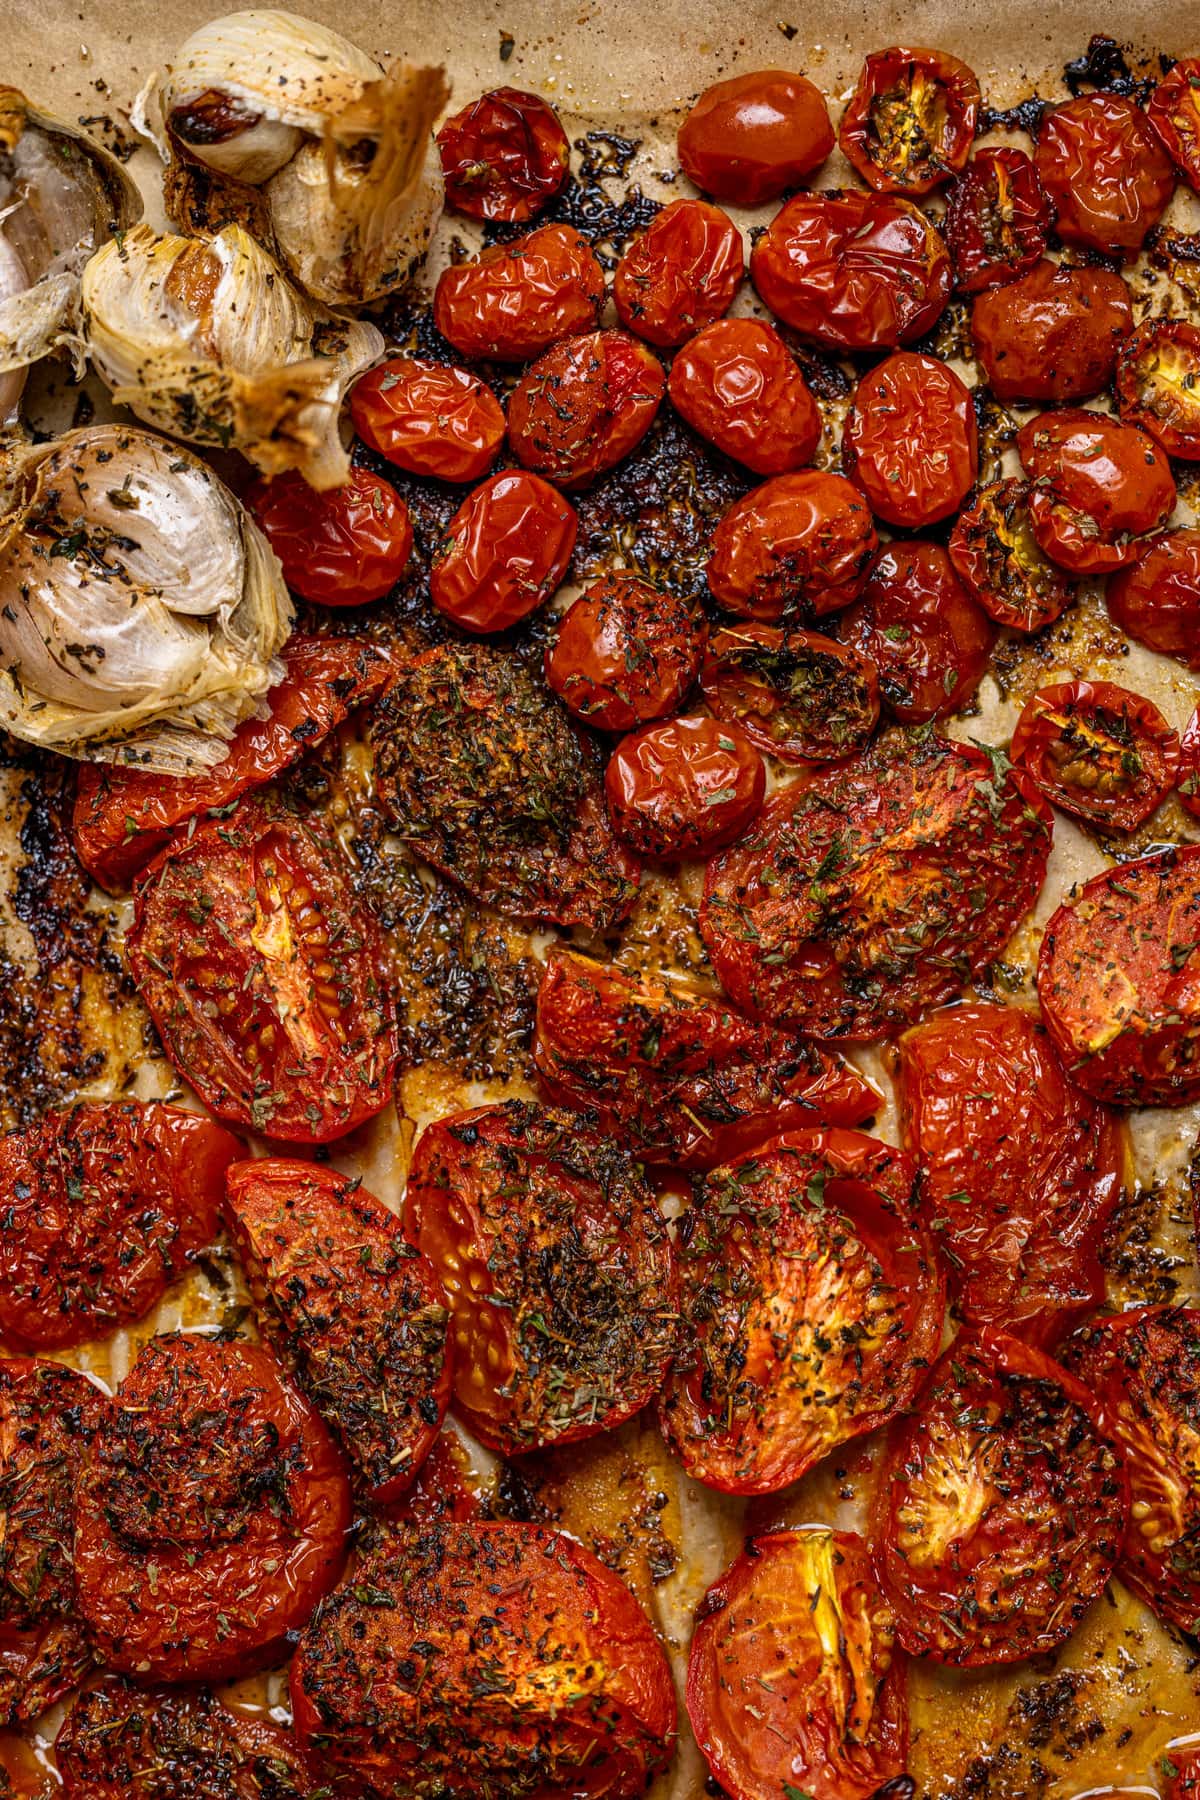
column 1158, row 384
column 1174, row 111
column 1053, row 334
column 1098, row 751
column 997, row 556
column 1157, row 598
column 800, row 542
column 1096, row 487
column 928, row 639
column 1188, row 787
column 997, row 219
column 445, row 1487
column 911, row 120
column 798, row 695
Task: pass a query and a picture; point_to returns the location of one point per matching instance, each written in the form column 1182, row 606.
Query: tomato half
column 211, row 1516
column 503, row 156
column 1174, row 112
column 1105, row 172
column 871, row 890
column 1098, row 751
column 997, row 219
column 1181, row 1767
column 340, row 548
column 1096, row 486
column 429, row 418
column 739, row 386
column 798, row 695
column 794, row 1683
column 680, row 274
column 911, row 120
column 584, row 405
column 1189, row 772
column 515, row 300
column 754, row 136
column 929, row 641
column 911, row 441
column 798, row 541
column 684, row 787
column 1000, row 562
column 1052, row 334
column 1158, row 384
column 1156, row 599
column 408, row 1676
column 504, row 552
column 625, row 652
column 263, row 976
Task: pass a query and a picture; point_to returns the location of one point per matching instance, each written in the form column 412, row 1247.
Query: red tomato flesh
column 505, row 552
column 1053, row 334
column 625, row 653
column 1098, row 751
column 515, row 300
column 584, row 406
column 911, row 441
column 1097, row 486
column 1105, row 171
column 1000, row 562
column 911, row 120
column 997, row 219
column 798, row 695
column 1156, row 599
column 1158, row 384
column 800, row 541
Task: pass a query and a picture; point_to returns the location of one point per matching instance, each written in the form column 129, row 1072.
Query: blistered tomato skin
column 515, row 300
column 680, row 274
column 797, row 695
column 1174, row 111
column 1053, row 334
column 1098, row 751
column 503, row 156
column 1188, row 787
column 584, row 405
column 1158, row 384
column 341, row 548
column 799, row 542
column 751, row 138
column 429, row 418
column 1000, row 562
column 625, row 653
column 927, row 638
column 911, row 440
column 505, row 552
column 683, row 788
column 911, row 120
column 1105, row 172
column 739, row 386
column 1156, row 599
column 1097, row 486
column 997, row 219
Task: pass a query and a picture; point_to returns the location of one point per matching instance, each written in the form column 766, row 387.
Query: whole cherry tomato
column 504, row 553
column 1098, row 751
column 1174, row 111
column 911, row 120
column 503, row 156
column 1157, row 598
column 997, row 219
column 625, row 653
column 584, row 405
column 341, row 548
column 429, row 418
column 752, row 137
column 680, row 274
column 1105, row 171
column 1158, row 384
column 1096, row 487
column 1000, row 562
column 515, row 300
column 801, row 540
column 927, row 638
column 1188, row 787
column 797, row 695
column 1052, row 334
column 911, row 441
column 683, row 788
column 739, row 386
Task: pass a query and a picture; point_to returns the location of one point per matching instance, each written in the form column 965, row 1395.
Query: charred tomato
column 1096, row 486
column 1098, row 751
column 340, row 548
column 1053, row 334
column 798, row 695
column 754, row 136
column 1158, row 384
column 911, row 120
column 800, row 541
column 625, row 652
column 1156, row 599
column 683, row 788
column 680, row 274
column 429, row 418
column 503, row 156
column 504, row 552
column 1001, row 564
column 1105, row 171
column 911, row 442
column 1189, row 771
column 739, row 386
column 928, row 640
column 997, row 219
column 584, row 405
column 515, row 300
column 1174, row 111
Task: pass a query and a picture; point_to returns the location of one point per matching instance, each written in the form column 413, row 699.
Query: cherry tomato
column 1105, row 172
column 928, row 640
column 515, row 300
column 264, row 978
column 1189, row 777
column 504, row 553
column 997, row 219
column 801, row 540
column 584, row 405
column 911, row 441
column 625, row 652
column 683, row 788
column 1181, row 1767
column 754, row 136
column 793, row 1672
column 1001, row 564
column 1052, row 334
column 1022, row 1171
column 1096, row 486
column 797, row 695
column 911, row 120
column 341, row 548
column 680, row 274
column 429, row 418
column 503, row 156
column 871, row 890
column 1097, row 751
column 739, row 386
column 853, row 271
column 211, row 1516
column 1174, row 111
column 1157, row 598
column 1158, row 374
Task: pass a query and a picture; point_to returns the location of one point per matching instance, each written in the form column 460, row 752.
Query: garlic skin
column 140, row 607
column 210, row 341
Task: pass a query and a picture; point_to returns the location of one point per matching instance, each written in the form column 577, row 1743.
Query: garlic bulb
column 341, row 148
column 140, row 607
column 210, row 341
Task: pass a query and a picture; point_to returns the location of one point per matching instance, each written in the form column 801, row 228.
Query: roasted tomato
column 680, row 274
column 559, row 1271
column 1022, row 1170
column 811, row 1309
column 853, row 271
column 997, row 219
column 408, row 1676
column 1096, row 486
column 911, row 441
column 751, row 138
column 23, row 1769
column 124, row 816
column 1158, row 384
column 445, row 1486
column 678, row 1076
column 1105, row 171
column 797, row 695
column 1001, row 1509
column 1174, row 111
column 1189, row 791
column 504, row 553
column 515, row 300
column 911, row 120
column 584, row 405
column 1119, row 981
column 1000, row 562
column 102, row 1205
column 871, row 890
column 341, row 548
column 1180, row 1767
column 739, row 386
column 503, row 156
column 429, row 418
column 354, row 1311
column 1052, row 334
column 799, row 541
column 211, row 1515
column 1098, row 751
column 926, row 637
column 488, row 778
column 1157, row 598
column 793, row 1673
column 263, row 977
column 683, row 788
column 625, row 652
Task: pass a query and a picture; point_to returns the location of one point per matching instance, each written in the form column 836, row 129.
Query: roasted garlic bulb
column 350, row 179
column 140, row 607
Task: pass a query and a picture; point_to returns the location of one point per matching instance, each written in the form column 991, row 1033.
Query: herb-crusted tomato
column 999, row 560
column 1174, row 111
column 1105, row 171
column 798, row 695
column 754, row 136
column 1189, row 774
column 684, row 787
column 680, row 274
column 911, row 441
column 997, row 219
column 911, row 120
column 515, row 300
column 798, row 542
column 1098, row 751
column 1156, row 599
column 739, row 386
column 625, row 652
column 915, row 621
column 503, row 156
column 1053, row 334
column 429, row 418
column 341, row 548
column 1096, row 487
column 1158, row 384
column 504, row 552
column 584, row 405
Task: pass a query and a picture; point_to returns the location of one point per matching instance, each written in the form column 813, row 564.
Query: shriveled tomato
column 1000, row 562
column 1052, row 334
column 503, row 156
column 487, row 777
column 853, row 271
column 684, row 787
column 680, row 274
column 429, row 418
column 407, row 1678
column 211, row 1516
column 911, row 441
column 1105, row 171
column 871, row 890
column 584, row 405
column 1158, row 384
column 997, row 219
column 1157, row 598
column 799, row 541
column 341, row 548
column 1022, row 1170
column 504, row 553
column 1180, row 1765
column 625, row 652
column 1189, row 771
column 915, row 621
column 798, row 695
column 794, row 1683
column 739, row 386
column 911, row 120
column 1098, row 751
column 354, row 1311
column 1173, row 109
column 1097, row 485
column 515, row 300
column 263, row 976
column 754, row 136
